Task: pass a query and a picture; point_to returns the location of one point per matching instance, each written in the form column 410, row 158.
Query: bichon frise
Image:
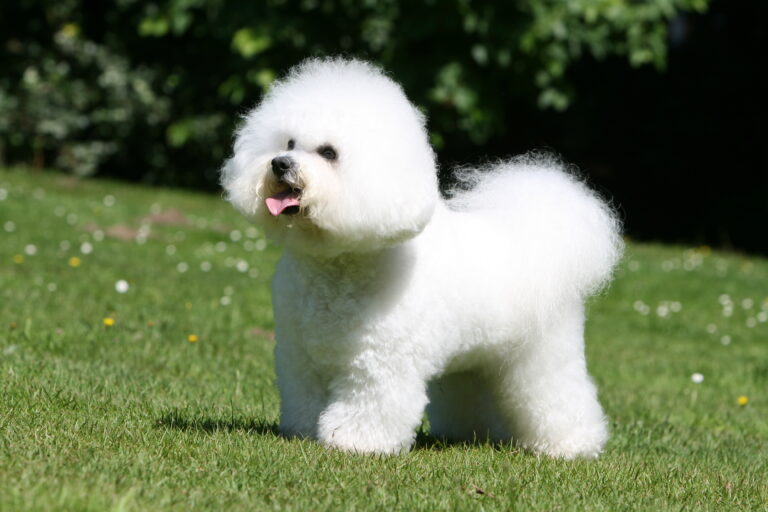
column 390, row 300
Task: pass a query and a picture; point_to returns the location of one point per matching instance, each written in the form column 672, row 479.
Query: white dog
column 390, row 300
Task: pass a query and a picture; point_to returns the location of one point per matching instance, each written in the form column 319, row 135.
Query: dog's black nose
column 281, row 165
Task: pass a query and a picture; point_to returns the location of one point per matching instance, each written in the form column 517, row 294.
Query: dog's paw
column 580, row 443
column 350, row 434
column 364, row 443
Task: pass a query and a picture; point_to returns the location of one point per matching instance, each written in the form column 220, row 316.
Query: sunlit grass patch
column 141, row 378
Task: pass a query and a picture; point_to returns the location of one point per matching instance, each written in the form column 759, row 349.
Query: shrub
column 150, row 90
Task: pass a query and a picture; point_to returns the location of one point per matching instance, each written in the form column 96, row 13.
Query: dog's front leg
column 374, row 407
column 302, row 393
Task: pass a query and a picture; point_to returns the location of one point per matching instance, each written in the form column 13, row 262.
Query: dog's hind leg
column 547, row 396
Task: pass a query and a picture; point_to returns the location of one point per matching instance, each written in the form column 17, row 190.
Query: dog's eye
column 291, row 144
column 327, row 152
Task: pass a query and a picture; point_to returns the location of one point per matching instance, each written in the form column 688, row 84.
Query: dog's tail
column 565, row 233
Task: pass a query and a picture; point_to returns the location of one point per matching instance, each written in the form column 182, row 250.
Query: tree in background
column 150, row 90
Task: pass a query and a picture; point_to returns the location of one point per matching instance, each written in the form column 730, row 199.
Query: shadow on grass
column 427, row 441
column 179, row 420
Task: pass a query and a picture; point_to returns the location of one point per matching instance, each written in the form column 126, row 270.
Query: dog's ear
column 389, row 192
column 241, row 182
column 227, row 178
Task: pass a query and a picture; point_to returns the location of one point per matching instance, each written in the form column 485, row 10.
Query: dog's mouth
column 286, row 202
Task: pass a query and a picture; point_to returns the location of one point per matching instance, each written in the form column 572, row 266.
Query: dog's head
column 335, row 159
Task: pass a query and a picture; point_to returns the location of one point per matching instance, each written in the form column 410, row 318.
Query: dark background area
column 662, row 110
column 682, row 152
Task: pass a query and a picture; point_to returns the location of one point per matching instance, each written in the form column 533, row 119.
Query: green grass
column 133, row 416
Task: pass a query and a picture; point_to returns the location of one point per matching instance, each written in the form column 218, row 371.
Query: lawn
column 136, row 374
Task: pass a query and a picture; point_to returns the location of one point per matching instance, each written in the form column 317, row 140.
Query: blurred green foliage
column 152, row 90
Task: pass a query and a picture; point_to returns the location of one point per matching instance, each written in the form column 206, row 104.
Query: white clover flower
column 697, row 378
column 121, row 286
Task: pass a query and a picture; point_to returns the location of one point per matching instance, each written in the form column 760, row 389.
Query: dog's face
column 335, row 159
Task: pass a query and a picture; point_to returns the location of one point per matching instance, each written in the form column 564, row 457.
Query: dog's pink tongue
column 277, row 203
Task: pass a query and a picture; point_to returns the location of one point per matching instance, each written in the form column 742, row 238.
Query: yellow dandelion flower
column 151, row 323
column 192, row 338
column 18, row 259
column 74, row 262
column 743, row 400
column 188, row 305
column 70, row 30
column 109, row 321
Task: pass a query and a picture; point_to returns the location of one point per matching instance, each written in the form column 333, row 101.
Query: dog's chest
column 331, row 318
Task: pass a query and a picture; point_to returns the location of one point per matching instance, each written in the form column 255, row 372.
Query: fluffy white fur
column 390, row 300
